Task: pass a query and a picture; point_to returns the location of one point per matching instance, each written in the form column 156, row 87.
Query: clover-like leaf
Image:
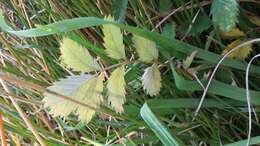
column 145, row 48
column 116, row 89
column 151, row 80
column 77, row 57
column 113, row 40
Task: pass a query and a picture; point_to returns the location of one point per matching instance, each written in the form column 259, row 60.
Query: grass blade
column 157, row 127
column 253, row 141
column 227, row 90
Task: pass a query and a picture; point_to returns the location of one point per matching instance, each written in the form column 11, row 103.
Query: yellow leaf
column 93, row 96
column 233, row 33
column 241, row 53
column 152, row 80
column 145, row 48
column 116, row 89
column 58, row 106
column 76, row 57
column 113, row 40
column 83, row 88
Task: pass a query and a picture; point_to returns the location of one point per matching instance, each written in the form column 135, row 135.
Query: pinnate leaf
column 116, row 89
column 145, row 48
column 225, row 13
column 113, row 40
column 77, row 57
column 83, row 88
column 151, row 80
column 241, row 53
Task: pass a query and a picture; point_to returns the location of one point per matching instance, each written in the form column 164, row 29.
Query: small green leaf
column 152, row 80
column 169, row 30
column 145, row 48
column 113, row 40
column 116, row 89
column 225, row 13
column 201, row 24
column 76, row 57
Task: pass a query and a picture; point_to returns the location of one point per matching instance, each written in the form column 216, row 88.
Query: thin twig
column 248, row 98
column 167, row 17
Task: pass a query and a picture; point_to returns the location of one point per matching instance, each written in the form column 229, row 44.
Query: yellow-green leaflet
column 145, row 48
column 113, row 40
column 151, row 80
column 93, row 96
column 81, row 88
column 241, row 53
column 116, row 89
column 77, row 57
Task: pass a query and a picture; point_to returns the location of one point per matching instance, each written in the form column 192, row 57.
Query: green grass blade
column 157, row 127
column 168, row 106
column 159, row 104
column 253, row 141
column 227, row 90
